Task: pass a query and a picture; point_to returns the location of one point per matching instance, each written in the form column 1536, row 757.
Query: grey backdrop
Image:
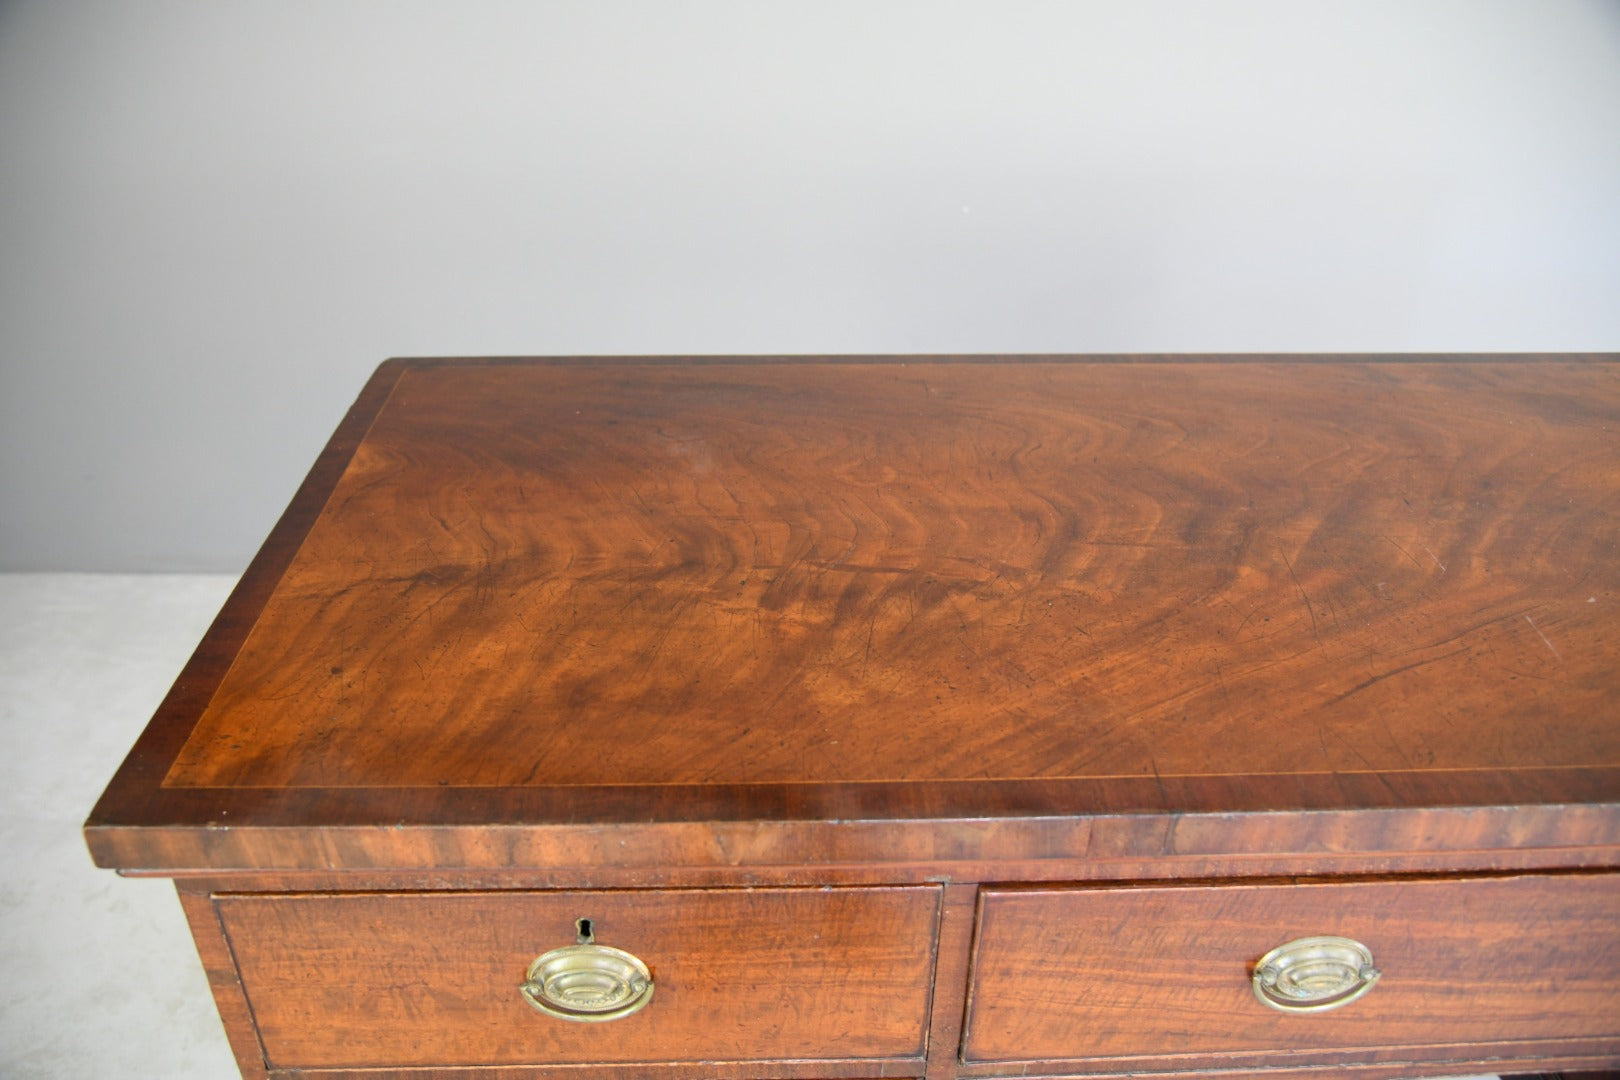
column 215, row 218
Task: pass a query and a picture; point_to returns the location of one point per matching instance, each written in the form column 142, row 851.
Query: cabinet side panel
column 232, row 1003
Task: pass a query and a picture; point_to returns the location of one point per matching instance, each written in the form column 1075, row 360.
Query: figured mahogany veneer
column 739, row 974
column 809, row 668
column 1073, row 973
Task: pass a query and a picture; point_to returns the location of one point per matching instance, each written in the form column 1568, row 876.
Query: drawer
column 358, row 980
column 1145, row 977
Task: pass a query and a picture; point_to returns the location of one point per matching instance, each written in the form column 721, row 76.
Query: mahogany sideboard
column 930, row 717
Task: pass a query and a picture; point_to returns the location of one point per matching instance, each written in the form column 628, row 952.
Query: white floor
column 101, row 979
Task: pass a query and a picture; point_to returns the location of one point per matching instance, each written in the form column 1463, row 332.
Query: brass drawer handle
column 587, row 982
column 1314, row 974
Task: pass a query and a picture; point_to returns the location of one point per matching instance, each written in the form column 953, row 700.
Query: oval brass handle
column 1314, row 974
column 588, row 983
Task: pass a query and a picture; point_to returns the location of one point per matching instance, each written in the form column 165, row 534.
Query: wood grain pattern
column 1138, row 975
column 215, row 953
column 886, row 872
column 430, row 979
column 958, row 911
column 509, row 585
column 1504, row 1056
column 710, row 1070
column 1172, row 828
column 795, row 654
column 563, row 575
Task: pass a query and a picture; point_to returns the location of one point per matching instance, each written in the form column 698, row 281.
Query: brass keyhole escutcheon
column 587, row 982
column 1314, row 974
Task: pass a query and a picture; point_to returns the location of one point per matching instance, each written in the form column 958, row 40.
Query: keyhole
column 586, row 935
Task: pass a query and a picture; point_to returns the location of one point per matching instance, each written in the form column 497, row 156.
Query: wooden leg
column 229, row 997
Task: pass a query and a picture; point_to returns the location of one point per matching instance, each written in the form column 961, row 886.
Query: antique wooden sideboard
column 932, row 717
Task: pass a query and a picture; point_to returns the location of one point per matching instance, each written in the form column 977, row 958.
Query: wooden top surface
column 539, row 592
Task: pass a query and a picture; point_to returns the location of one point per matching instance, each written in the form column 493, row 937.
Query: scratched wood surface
column 723, row 574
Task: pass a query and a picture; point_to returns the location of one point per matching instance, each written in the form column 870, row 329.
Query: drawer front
column 357, row 980
column 1121, row 977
